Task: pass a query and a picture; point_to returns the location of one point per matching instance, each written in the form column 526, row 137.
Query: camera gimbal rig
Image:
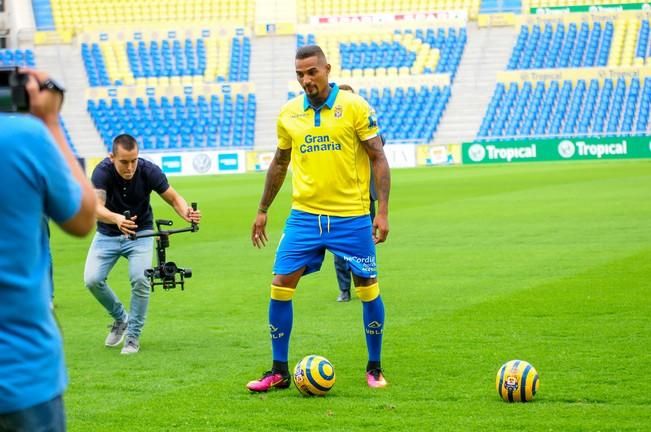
column 165, row 272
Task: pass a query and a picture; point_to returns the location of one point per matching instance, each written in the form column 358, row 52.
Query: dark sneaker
column 268, row 381
column 375, row 378
column 131, row 346
column 344, row 296
column 116, row 335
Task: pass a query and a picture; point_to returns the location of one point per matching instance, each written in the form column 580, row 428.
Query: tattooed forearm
column 381, row 172
column 101, row 196
column 275, row 177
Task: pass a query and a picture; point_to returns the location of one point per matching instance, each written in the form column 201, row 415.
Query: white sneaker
column 131, row 346
column 116, row 335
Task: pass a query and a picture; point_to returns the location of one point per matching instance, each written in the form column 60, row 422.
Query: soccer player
column 329, row 136
column 124, row 182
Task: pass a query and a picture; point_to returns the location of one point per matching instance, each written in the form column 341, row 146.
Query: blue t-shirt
column 132, row 195
column 35, row 182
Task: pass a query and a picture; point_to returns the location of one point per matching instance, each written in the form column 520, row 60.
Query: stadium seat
column 392, row 52
column 169, row 61
column 179, row 123
column 72, row 15
column 568, row 108
column 560, row 45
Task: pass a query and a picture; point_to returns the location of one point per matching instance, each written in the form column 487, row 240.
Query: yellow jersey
column 330, row 167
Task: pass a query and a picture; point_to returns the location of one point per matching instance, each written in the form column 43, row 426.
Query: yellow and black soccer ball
column 314, row 375
column 517, row 381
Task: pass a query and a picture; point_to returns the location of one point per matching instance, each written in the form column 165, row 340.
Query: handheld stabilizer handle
column 194, row 225
column 127, row 215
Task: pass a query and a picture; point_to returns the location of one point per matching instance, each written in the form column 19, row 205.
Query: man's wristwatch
column 52, row 85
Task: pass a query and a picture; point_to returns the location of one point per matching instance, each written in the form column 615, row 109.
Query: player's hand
column 380, row 228
column 42, row 104
column 193, row 215
column 127, row 226
column 258, row 233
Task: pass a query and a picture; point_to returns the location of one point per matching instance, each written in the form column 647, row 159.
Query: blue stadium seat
column 555, row 46
column 180, row 123
column 568, row 108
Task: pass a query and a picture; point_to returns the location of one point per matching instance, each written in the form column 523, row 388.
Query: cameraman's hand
column 193, row 215
column 43, row 104
column 126, row 226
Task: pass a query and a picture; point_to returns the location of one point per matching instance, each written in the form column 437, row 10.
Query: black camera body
column 166, row 274
column 13, row 90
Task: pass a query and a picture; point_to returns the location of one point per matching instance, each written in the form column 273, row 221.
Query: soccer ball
column 314, row 375
column 517, row 381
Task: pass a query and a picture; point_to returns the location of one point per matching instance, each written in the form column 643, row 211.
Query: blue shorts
column 307, row 236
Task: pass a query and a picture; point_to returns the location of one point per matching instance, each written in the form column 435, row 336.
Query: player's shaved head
column 308, row 51
column 312, row 70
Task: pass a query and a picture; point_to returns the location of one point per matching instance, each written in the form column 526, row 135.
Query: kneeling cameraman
column 124, row 182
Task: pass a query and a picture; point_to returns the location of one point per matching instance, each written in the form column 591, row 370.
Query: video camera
column 166, row 274
column 13, row 90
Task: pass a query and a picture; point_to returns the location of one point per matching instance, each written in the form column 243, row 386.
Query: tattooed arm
column 275, row 178
column 382, row 175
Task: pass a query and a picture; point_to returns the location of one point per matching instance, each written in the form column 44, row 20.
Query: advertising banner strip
column 559, row 149
column 199, row 162
column 586, row 74
column 591, row 8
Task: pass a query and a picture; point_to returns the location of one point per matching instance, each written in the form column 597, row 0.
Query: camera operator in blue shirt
column 40, row 177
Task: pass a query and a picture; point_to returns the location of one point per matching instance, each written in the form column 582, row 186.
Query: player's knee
column 368, row 293
column 282, row 293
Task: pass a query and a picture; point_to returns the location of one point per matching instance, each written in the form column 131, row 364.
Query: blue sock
column 373, row 312
column 281, row 317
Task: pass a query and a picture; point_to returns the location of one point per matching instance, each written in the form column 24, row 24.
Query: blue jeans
column 44, row 417
column 102, row 256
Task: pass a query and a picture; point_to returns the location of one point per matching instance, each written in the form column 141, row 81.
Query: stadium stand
column 75, row 15
column 26, row 58
column 500, row 6
column 556, row 45
column 588, row 79
column 157, row 56
column 221, row 117
column 311, row 8
column 582, row 107
column 18, row 57
column 391, row 52
column 43, row 14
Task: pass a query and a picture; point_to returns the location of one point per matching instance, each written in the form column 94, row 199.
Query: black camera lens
column 169, row 269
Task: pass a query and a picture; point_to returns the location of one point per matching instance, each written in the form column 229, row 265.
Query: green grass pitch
column 549, row 263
